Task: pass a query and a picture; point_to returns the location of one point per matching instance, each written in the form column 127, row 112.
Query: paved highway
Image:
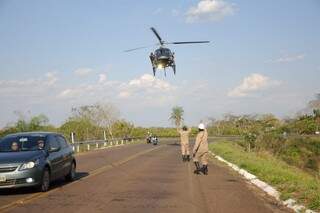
column 142, row 178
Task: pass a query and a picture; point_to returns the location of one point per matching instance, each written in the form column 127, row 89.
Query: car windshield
column 22, row 143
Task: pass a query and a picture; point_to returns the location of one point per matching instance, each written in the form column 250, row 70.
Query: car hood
column 19, row 157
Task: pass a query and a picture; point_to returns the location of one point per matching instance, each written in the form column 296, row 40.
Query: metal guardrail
column 83, row 146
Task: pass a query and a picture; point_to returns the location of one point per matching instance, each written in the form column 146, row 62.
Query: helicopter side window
column 158, row 52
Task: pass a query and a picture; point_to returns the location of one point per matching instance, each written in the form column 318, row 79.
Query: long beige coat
column 184, row 141
column 201, row 154
column 184, row 136
column 202, row 143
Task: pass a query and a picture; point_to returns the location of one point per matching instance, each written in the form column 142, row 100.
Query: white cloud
column 27, row 94
column 49, row 80
column 79, row 92
column 83, row 72
column 145, row 90
column 124, row 94
column 148, row 81
column 252, row 83
column 102, row 78
column 67, row 93
column 288, row 58
column 210, row 10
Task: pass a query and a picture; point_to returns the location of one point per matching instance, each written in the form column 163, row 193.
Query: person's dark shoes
column 188, row 157
column 183, row 158
column 197, row 170
column 205, row 169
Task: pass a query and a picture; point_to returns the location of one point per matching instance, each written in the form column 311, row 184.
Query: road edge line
column 270, row 190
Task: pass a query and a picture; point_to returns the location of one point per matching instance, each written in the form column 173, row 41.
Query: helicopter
column 163, row 57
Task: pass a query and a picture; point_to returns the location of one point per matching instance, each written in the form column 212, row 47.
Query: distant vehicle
column 148, row 139
column 154, row 140
column 163, row 57
column 127, row 138
column 35, row 159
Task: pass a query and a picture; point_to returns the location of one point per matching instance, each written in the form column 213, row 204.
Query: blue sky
column 56, row 54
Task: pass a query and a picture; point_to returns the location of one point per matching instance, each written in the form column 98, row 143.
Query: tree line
column 294, row 140
column 88, row 122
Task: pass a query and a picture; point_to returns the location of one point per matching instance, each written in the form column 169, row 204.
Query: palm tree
column 177, row 115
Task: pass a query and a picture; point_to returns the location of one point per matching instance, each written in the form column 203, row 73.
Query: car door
column 66, row 152
column 55, row 157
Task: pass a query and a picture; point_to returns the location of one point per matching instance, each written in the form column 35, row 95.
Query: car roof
column 39, row 133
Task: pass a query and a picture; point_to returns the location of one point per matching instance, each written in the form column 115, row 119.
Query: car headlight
column 29, row 165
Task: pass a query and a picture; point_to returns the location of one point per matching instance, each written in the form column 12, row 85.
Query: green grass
column 290, row 181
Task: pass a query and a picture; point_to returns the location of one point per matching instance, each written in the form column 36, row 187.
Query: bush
column 300, row 151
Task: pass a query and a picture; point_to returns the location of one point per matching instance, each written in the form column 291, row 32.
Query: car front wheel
column 72, row 173
column 45, row 182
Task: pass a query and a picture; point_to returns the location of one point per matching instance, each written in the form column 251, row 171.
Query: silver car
column 34, row 159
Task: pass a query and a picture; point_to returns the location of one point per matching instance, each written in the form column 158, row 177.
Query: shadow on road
column 173, row 144
column 29, row 190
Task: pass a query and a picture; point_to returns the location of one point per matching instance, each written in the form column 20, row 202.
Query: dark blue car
column 34, row 159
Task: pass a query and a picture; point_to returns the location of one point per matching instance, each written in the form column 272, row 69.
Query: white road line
column 290, row 203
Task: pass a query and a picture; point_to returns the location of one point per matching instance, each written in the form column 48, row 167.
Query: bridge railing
column 89, row 145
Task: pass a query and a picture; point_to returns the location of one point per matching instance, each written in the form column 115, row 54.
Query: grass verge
column 290, row 181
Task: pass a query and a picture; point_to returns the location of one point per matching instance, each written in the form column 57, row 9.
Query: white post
column 97, row 145
column 121, row 142
column 88, row 147
column 110, row 143
column 117, row 142
column 72, row 140
column 72, row 137
column 105, row 144
column 104, row 135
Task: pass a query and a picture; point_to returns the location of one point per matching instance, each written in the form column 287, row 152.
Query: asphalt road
column 142, row 178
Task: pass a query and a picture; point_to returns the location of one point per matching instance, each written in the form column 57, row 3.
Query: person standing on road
column 200, row 151
column 184, row 142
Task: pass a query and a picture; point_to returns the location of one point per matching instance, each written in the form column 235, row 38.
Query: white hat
column 201, row 126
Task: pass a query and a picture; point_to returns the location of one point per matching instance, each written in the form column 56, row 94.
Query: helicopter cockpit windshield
column 163, row 52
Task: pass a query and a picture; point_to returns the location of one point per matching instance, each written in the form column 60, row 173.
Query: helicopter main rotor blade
column 189, row 42
column 138, row 48
column 157, row 34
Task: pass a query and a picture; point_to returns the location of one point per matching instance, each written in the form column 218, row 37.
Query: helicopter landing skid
column 174, row 69
column 154, row 71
